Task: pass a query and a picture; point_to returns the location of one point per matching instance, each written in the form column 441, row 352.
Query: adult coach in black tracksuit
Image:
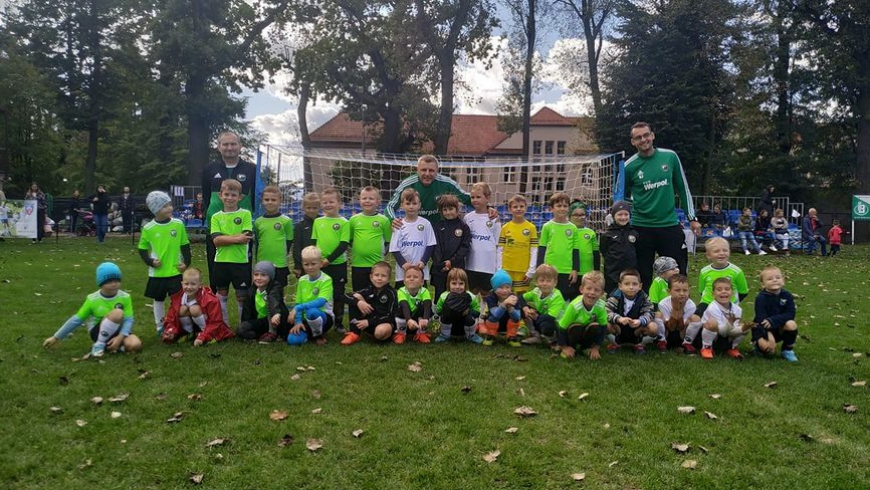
column 230, row 166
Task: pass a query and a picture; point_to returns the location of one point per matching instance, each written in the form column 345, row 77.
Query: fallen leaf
column 203, row 384
column 806, row 438
column 578, row 476
column 285, row 441
column 703, row 449
column 161, row 397
column 686, row 410
column 606, row 426
column 522, row 392
column 357, row 433
column 216, row 442
column 384, row 358
column 689, row 464
column 771, row 384
column 310, row 368
column 525, row 412
column 316, row 411
column 491, row 456
column 116, row 415
column 314, row 444
column 859, row 384
column 97, row 400
column 315, row 394
column 711, row 415
column 300, row 368
column 277, row 415
column 38, row 294
column 849, row 408
column 176, row 355
column 511, row 430
column 562, row 394
column 582, row 396
column 680, row 448
column 86, row 464
column 120, row 398
column 466, row 389
column 295, row 377
column 857, row 354
column 520, row 378
column 56, row 410
column 219, row 457
column 64, row 380
column 144, row 374
column 416, row 367
column 81, row 423
column 176, row 417
column 196, row 478
column 715, row 396
column 611, row 465
column 194, row 396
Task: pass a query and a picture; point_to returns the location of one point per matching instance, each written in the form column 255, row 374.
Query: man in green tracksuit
column 653, row 176
column 430, row 185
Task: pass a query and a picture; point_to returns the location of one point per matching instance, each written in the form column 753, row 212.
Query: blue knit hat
column 107, row 271
column 265, row 267
column 500, row 278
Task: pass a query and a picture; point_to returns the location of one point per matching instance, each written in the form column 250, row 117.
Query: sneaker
column 98, row 349
column 267, row 338
column 340, row 329
column 477, row 339
column 160, row 330
column 773, row 248
column 762, row 252
column 350, row 338
column 639, row 349
column 441, row 338
column 533, row 340
column 707, row 353
column 613, row 348
column 662, row 345
column 421, row 338
column 747, row 252
column 523, row 331
column 789, row 356
column 320, row 340
column 734, row 354
column 297, row 338
column 488, row 340
column 399, row 338
column 513, row 342
column 689, row 348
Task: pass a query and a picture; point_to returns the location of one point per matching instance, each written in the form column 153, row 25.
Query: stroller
column 86, row 226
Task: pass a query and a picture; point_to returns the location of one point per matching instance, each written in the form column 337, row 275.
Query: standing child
column 196, row 311
column 780, row 231
column 775, row 316
column 617, row 246
column 744, row 228
column 458, row 307
column 165, row 249
column 587, row 241
column 231, row 231
column 415, row 306
column 113, row 311
column 504, row 310
column 558, row 245
column 453, row 241
column 584, row 322
column 373, row 308
column 630, row 314
column 518, row 246
column 483, row 256
column 835, row 237
column 303, row 228
column 312, row 316
column 274, row 236
column 543, row 305
column 413, row 243
column 722, row 322
column 676, row 312
column 264, row 314
column 370, row 234
column 331, row 234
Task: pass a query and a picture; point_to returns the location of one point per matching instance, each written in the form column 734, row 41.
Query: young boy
column 774, row 316
column 264, row 314
column 584, row 322
column 303, row 228
column 453, row 241
column 518, row 246
column 331, row 234
column 413, row 243
column 232, row 231
column 373, row 308
column 113, row 311
column 458, row 307
column 482, row 258
column 587, row 242
column 718, row 252
column 558, row 245
column 504, row 310
column 370, row 233
column 415, row 306
column 274, row 235
column 675, row 313
column 835, row 237
column 195, row 310
column 722, row 323
column 313, row 315
column 664, row 268
column 617, row 246
column 165, row 249
column 544, row 305
column 630, row 314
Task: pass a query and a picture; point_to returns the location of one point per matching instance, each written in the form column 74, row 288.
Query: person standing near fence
column 75, row 204
column 37, row 195
column 652, row 177
column 229, row 166
column 100, row 203
column 127, row 207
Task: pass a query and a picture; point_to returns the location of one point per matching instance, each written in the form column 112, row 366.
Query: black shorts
column 360, row 277
column 479, row 281
column 581, row 337
column 226, row 273
column 159, row 288
column 282, row 274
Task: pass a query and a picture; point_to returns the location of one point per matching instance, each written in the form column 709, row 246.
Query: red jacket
column 215, row 328
column 834, row 235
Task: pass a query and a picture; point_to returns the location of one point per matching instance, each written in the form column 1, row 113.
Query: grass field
column 421, row 429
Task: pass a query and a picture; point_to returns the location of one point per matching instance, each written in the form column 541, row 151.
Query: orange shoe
column 399, row 338
column 421, row 337
column 707, row 353
column 734, row 354
column 350, row 338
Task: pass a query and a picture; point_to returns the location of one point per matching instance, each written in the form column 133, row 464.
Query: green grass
column 421, row 430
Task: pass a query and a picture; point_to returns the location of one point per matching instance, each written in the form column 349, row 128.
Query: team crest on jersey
column 420, row 227
column 315, row 291
column 383, row 299
column 173, row 233
column 640, row 174
column 489, row 224
column 237, row 221
column 376, row 224
column 632, row 238
column 587, row 236
column 568, row 233
column 527, row 232
column 336, row 226
column 277, row 226
column 119, row 305
column 664, row 167
column 242, row 177
column 458, row 232
column 782, row 301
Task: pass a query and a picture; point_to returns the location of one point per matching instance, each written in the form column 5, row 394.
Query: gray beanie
column 157, row 200
column 664, row 264
column 266, row 267
column 620, row 206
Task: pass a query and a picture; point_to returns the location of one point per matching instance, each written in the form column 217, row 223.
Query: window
column 586, row 176
column 560, row 169
column 510, row 175
column 536, row 147
column 549, row 148
column 560, row 184
column 560, row 148
column 536, row 184
column 548, row 184
column 473, row 175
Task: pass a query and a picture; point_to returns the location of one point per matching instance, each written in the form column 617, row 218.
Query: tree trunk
column 445, row 117
column 781, row 80
column 197, row 129
column 91, row 162
column 302, row 116
column 527, row 79
column 863, row 146
column 592, row 56
column 391, row 139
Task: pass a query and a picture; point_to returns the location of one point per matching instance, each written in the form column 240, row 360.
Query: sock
column 401, row 326
column 692, row 332
column 107, row 329
column 446, row 328
column 316, row 325
column 611, row 338
column 661, row 325
column 788, row 339
column 470, row 325
column 223, row 300
column 646, row 339
column 186, row 324
column 159, row 313
column 737, row 340
column 199, row 321
column 707, row 338
column 240, row 307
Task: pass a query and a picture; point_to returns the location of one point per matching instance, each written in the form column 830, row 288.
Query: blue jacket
column 777, row 308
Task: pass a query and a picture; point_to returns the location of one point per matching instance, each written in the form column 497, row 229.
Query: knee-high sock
column 241, row 308
column 692, row 332
column 662, row 330
column 708, row 337
column 159, row 313
column 186, row 323
column 223, row 300
column 107, row 329
column 446, row 329
column 737, row 340
column 788, row 339
column 470, row 327
column 315, row 319
column 401, row 325
column 611, row 338
column 200, row 322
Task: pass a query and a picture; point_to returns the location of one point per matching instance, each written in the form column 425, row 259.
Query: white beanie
column 157, row 200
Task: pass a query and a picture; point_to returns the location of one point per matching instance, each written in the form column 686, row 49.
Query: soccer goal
column 585, row 177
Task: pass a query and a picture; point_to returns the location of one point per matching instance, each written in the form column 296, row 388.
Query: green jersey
column 658, row 290
column 308, row 289
column 273, row 233
column 587, row 244
column 561, row 239
column 414, row 301
column 429, row 195
column 577, row 313
column 231, row 223
column 651, row 184
column 552, row 305
column 328, row 233
column 368, row 233
column 474, row 307
column 165, row 241
column 710, row 274
column 97, row 306
column 260, row 303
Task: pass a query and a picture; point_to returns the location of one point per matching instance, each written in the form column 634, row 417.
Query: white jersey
column 411, row 240
column 727, row 317
column 4, row 213
column 483, row 256
column 665, row 308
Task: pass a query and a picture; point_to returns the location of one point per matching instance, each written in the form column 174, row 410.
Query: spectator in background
column 127, row 207
column 75, row 205
column 2, row 205
column 766, row 202
column 763, row 230
column 705, row 216
column 100, row 204
column 718, row 217
column 37, row 195
column 811, row 232
column 197, row 207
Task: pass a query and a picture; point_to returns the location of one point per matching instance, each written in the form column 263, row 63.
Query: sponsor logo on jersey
column 277, row 226
column 242, row 177
column 527, row 232
column 237, row 221
column 412, row 243
column 336, row 226
column 243, row 285
column 173, row 233
column 632, row 238
column 648, row 186
column 217, row 176
column 458, row 232
column 482, row 238
column 420, row 227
